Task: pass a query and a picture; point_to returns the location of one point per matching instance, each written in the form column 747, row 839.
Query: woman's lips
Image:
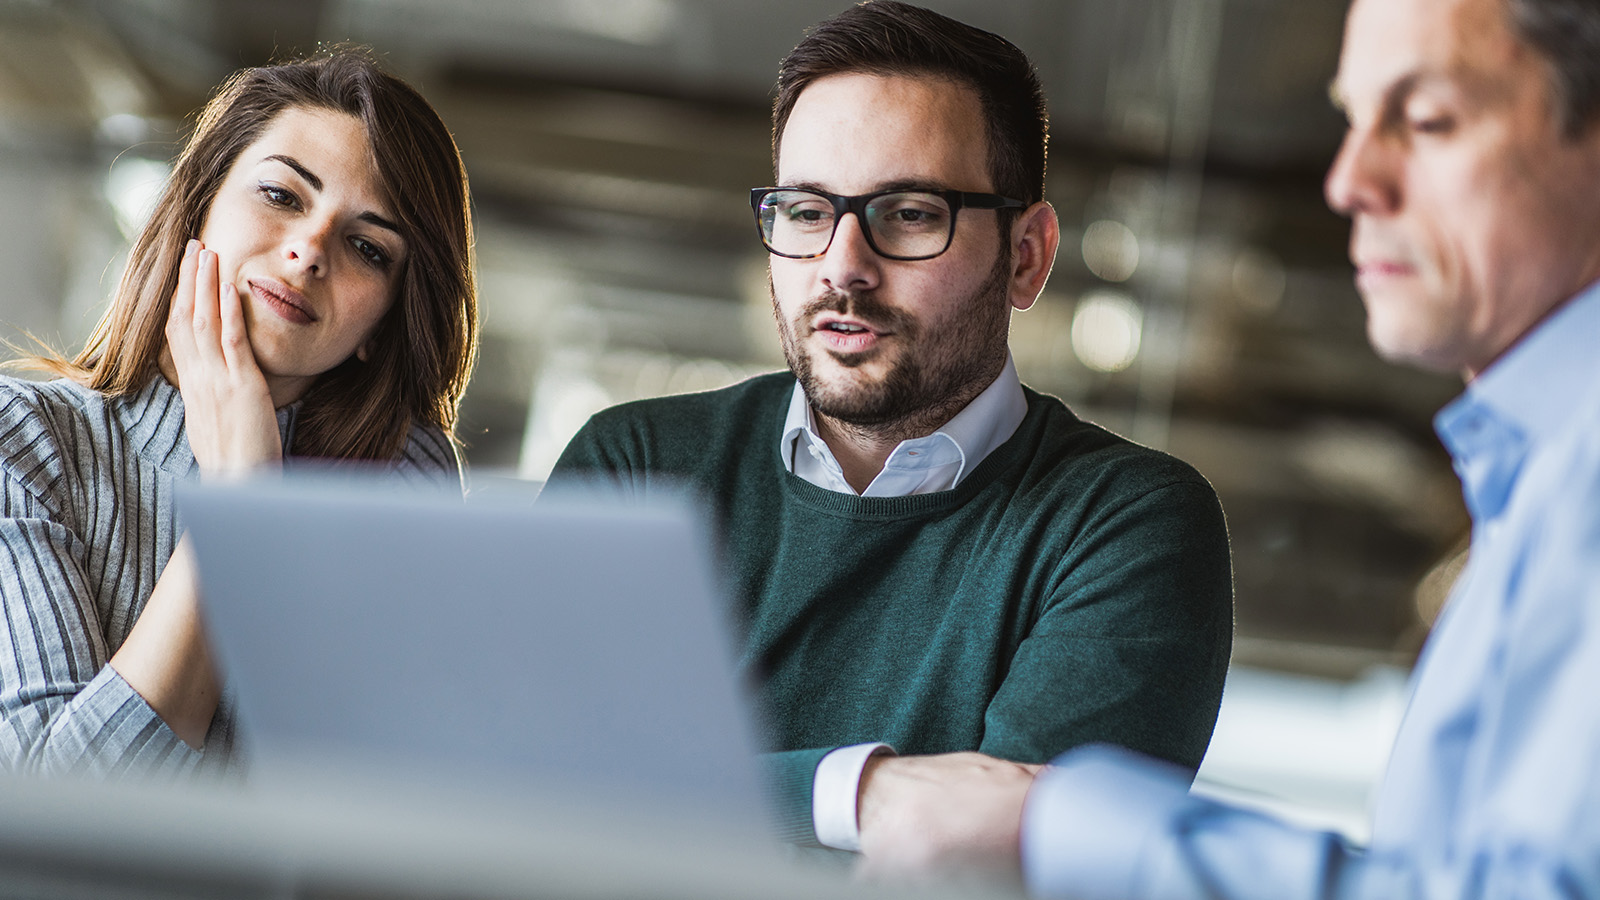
column 289, row 304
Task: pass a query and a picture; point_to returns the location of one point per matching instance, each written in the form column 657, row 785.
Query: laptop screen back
column 565, row 647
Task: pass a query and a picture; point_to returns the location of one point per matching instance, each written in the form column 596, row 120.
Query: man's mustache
column 863, row 305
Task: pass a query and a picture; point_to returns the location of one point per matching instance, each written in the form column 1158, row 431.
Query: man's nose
column 1363, row 177
column 850, row 263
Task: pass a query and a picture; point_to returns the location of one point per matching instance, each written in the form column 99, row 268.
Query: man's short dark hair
column 1567, row 34
column 885, row 37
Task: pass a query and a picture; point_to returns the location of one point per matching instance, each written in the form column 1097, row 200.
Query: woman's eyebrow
column 380, row 221
column 291, row 162
column 316, row 185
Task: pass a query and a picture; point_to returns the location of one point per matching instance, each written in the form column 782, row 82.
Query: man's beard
column 940, row 368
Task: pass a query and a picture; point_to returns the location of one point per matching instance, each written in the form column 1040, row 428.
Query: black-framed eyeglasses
column 905, row 225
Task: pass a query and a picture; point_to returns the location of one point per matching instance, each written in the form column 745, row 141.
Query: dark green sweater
column 1075, row 587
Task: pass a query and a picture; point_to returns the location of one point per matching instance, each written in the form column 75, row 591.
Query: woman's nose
column 308, row 248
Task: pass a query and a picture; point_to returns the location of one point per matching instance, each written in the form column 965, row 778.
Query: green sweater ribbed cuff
column 789, row 776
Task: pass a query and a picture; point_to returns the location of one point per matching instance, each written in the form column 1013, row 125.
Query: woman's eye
column 278, row 196
column 371, row 252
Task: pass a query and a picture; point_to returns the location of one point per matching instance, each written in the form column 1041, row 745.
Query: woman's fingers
column 180, row 318
column 206, row 326
column 235, row 337
column 207, row 317
column 228, row 415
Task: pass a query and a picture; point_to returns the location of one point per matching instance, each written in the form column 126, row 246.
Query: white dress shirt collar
column 937, row 462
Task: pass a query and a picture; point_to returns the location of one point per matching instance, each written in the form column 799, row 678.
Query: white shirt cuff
column 834, row 791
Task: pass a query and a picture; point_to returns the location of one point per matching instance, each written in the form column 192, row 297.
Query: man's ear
column 1034, row 239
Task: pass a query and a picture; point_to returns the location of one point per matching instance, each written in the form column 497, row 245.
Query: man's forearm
column 951, row 811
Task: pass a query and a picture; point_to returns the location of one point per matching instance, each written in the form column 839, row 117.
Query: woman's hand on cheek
column 228, row 412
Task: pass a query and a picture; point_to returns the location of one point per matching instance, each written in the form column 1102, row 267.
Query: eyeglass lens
column 903, row 224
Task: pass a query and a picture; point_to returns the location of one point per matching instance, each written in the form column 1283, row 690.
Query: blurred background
column 1201, row 302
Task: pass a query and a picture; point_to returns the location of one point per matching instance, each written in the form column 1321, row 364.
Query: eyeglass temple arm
column 990, row 201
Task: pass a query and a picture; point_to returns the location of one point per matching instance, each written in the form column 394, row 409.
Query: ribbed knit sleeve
column 88, row 521
column 430, row 458
column 789, row 775
column 62, row 708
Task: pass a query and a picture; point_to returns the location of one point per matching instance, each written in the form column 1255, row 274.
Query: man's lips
column 288, row 303
column 1373, row 271
column 844, row 334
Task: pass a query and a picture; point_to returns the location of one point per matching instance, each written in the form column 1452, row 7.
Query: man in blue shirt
column 1471, row 172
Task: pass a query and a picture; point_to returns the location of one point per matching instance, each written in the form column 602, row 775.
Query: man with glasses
column 1470, row 170
column 925, row 555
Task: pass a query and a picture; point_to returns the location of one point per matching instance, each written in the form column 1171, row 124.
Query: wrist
column 835, row 792
column 869, row 791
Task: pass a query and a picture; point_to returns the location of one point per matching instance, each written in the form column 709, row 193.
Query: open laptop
column 570, row 648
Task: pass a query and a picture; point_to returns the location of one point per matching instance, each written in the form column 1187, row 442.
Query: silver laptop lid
column 571, row 647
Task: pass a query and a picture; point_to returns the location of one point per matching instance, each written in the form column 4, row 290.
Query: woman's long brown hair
column 422, row 352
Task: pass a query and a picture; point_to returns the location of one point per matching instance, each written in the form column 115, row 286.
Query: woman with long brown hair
column 304, row 287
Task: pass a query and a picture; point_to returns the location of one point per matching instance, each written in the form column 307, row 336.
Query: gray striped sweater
column 87, row 523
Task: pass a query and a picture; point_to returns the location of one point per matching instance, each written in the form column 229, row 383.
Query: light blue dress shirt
column 1493, row 790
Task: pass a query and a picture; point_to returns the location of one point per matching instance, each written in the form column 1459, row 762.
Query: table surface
column 346, row 838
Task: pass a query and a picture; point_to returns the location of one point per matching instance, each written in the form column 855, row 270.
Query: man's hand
column 923, row 815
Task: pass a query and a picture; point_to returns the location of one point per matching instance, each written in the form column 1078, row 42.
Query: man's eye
column 913, row 216
column 1432, row 125
column 808, row 215
column 1426, row 118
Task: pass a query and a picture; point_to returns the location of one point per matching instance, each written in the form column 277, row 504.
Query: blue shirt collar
column 1550, row 372
column 1525, row 398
